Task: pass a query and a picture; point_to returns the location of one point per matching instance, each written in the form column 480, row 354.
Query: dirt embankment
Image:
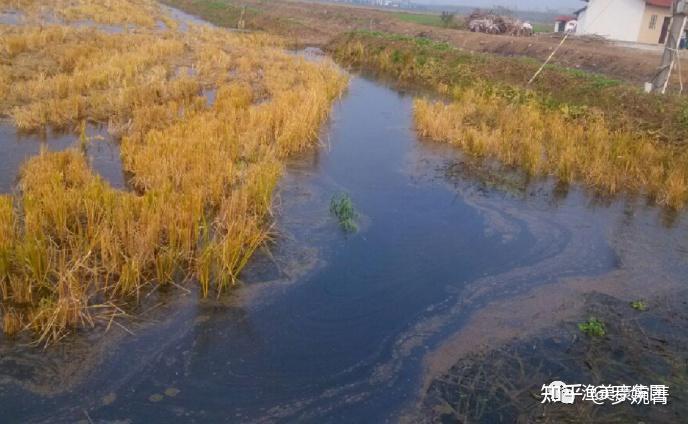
column 315, row 23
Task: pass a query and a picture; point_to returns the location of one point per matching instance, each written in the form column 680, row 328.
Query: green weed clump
column 342, row 207
column 639, row 305
column 593, row 327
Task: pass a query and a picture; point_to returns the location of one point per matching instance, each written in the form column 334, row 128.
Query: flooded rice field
column 100, row 148
column 456, row 299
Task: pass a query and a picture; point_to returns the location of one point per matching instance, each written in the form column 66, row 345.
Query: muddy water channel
column 457, row 299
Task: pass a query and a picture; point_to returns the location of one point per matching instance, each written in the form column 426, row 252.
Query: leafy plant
column 342, row 207
column 639, row 305
column 593, row 327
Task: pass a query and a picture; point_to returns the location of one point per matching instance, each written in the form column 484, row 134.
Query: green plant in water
column 593, row 327
column 639, row 305
column 342, row 207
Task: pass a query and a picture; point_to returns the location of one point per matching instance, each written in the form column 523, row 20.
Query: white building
column 643, row 21
column 562, row 22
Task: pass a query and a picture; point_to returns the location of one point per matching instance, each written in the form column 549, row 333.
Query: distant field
column 542, row 27
column 435, row 20
column 420, row 18
column 428, row 19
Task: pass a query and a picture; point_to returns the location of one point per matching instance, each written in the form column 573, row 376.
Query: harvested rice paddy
column 201, row 176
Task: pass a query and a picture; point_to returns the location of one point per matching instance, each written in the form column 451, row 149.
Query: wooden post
column 678, row 22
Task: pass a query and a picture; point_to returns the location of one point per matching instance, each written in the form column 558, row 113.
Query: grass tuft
column 639, row 305
column 342, row 207
column 593, row 327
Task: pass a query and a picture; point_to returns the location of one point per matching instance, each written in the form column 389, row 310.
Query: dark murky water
column 333, row 327
column 16, row 148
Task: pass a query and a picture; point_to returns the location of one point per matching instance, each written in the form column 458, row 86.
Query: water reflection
column 489, row 176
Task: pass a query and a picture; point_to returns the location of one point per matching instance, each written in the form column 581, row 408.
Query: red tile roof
column 564, row 18
column 660, row 3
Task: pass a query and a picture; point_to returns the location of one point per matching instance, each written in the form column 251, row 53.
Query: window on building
column 653, row 21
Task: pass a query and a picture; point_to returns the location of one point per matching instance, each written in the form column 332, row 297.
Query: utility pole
column 678, row 22
column 241, row 24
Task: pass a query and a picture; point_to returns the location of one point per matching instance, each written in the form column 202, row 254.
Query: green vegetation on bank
column 437, row 65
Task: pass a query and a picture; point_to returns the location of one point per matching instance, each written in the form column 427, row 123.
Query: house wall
column 651, row 35
column 582, row 17
column 614, row 19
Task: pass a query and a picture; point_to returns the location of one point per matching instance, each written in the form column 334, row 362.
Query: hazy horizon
column 512, row 4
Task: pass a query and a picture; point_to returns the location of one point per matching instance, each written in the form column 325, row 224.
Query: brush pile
column 491, row 23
